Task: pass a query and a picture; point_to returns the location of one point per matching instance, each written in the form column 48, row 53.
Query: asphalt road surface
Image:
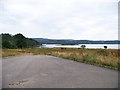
column 54, row 72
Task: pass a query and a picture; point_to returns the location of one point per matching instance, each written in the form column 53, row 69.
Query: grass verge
column 101, row 57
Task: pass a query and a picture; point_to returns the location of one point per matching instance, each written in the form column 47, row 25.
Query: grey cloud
column 73, row 19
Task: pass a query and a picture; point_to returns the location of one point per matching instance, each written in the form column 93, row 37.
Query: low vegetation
column 100, row 57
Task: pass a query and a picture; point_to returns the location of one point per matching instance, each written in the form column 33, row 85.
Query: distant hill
column 17, row 41
column 73, row 42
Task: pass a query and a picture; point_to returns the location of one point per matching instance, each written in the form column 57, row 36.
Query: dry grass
column 100, row 57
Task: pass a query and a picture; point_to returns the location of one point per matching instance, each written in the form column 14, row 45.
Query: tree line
column 17, row 41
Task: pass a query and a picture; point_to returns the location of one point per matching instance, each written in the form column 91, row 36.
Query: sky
column 60, row 19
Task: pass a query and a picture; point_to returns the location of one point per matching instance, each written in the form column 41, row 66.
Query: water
column 92, row 46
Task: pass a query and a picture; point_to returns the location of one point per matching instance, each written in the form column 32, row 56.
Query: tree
column 17, row 41
column 0, row 41
column 20, row 40
column 7, row 41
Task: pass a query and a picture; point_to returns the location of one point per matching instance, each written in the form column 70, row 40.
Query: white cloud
column 73, row 19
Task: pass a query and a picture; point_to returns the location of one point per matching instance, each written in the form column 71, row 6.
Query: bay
column 92, row 46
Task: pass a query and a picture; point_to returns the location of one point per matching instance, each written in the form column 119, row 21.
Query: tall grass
column 101, row 57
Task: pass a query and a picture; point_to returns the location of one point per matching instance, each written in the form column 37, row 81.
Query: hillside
column 72, row 42
column 17, row 41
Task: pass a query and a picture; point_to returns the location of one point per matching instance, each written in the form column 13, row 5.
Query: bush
column 83, row 46
column 105, row 47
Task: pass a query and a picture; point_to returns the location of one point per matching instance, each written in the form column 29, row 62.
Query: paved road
column 53, row 72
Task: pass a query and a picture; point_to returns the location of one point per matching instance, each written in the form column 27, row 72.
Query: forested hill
column 17, row 41
column 73, row 42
